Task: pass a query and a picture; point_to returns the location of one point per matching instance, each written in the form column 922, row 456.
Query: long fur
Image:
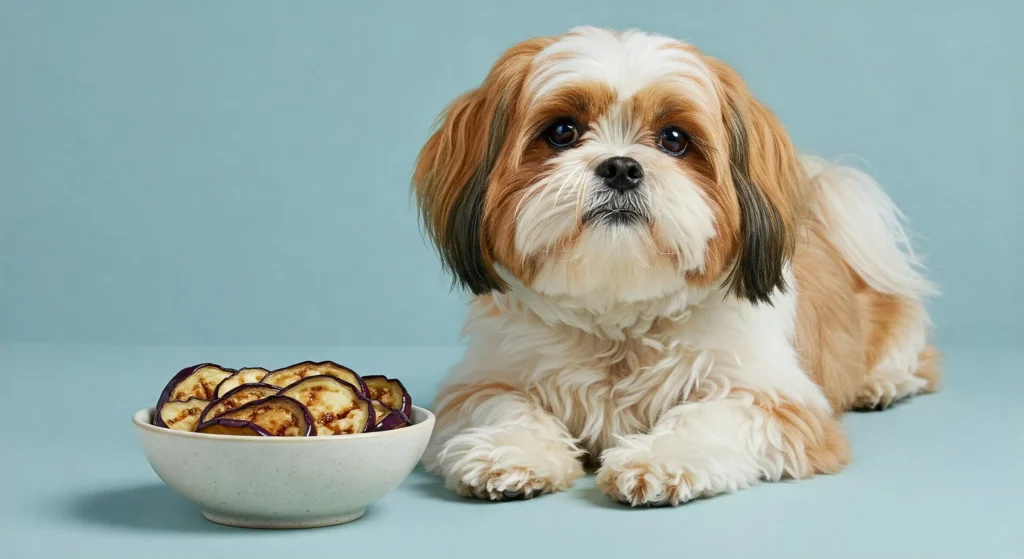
column 710, row 344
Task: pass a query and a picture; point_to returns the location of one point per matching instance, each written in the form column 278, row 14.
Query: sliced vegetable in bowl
column 388, row 418
column 237, row 398
column 390, row 392
column 337, row 407
column 305, row 399
column 234, row 427
column 280, row 416
column 290, row 375
column 248, row 375
column 198, row 382
column 180, row 416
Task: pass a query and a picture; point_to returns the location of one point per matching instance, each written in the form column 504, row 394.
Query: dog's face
column 624, row 166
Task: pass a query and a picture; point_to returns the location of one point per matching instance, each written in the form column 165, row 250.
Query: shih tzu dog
column 663, row 288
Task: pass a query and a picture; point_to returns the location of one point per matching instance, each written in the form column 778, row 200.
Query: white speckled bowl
column 283, row 482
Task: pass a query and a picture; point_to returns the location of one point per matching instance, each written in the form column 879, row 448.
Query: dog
column 662, row 288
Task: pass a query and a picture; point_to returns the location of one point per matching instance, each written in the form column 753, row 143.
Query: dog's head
column 618, row 165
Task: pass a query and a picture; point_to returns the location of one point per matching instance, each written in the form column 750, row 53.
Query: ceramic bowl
column 283, row 482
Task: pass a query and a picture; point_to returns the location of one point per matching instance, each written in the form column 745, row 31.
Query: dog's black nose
column 621, row 173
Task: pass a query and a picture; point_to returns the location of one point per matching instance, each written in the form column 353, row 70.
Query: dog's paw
column 499, row 467
column 493, row 482
column 640, row 479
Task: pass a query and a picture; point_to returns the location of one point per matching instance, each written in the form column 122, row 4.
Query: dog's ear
column 770, row 188
column 450, row 182
column 455, row 167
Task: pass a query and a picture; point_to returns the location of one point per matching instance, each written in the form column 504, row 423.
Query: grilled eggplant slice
column 233, row 427
column 248, row 375
column 342, row 372
column 180, row 416
column 237, row 398
column 387, row 418
column 196, row 382
column 279, row 416
column 390, row 392
column 288, row 375
column 291, row 375
column 337, row 407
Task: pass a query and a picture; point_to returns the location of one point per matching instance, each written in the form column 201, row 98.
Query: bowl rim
column 143, row 420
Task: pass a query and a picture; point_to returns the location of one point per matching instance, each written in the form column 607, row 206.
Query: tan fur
column 586, row 381
column 831, row 320
column 458, row 148
column 815, row 441
column 845, row 328
column 511, row 178
column 659, row 106
column 772, row 157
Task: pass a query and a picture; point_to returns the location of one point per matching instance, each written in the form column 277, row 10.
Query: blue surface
column 229, row 181
column 287, row 132
column 939, row 477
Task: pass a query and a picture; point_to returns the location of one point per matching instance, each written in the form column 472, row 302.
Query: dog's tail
column 868, row 229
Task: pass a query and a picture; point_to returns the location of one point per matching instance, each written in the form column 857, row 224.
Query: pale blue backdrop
column 236, row 172
column 199, row 174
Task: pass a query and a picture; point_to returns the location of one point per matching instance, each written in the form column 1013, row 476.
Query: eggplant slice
column 342, row 372
column 248, row 375
column 232, row 427
column 199, row 381
column 180, row 416
column 279, row 416
column 237, row 398
column 387, row 418
column 390, row 392
column 337, row 407
column 290, row 375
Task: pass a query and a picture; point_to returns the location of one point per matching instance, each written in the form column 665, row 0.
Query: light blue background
column 236, row 172
column 286, row 132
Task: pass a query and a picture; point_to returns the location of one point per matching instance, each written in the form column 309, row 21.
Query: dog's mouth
column 616, row 214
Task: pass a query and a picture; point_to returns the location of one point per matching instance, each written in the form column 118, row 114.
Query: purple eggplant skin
column 308, row 430
column 406, row 404
column 371, row 414
column 165, row 395
column 393, row 420
column 210, row 427
column 388, row 418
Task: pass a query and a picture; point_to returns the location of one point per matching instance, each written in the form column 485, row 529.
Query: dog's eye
column 563, row 133
column 674, row 140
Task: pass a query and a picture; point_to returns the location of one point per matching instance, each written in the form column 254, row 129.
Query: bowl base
column 282, row 524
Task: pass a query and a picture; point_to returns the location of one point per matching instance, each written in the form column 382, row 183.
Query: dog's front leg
column 493, row 442
column 706, row 448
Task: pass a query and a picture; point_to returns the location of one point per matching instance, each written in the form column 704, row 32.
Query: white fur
column 699, row 450
column 612, row 259
column 868, row 229
column 628, row 61
column 609, row 352
column 608, row 378
column 615, row 263
column 620, row 263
